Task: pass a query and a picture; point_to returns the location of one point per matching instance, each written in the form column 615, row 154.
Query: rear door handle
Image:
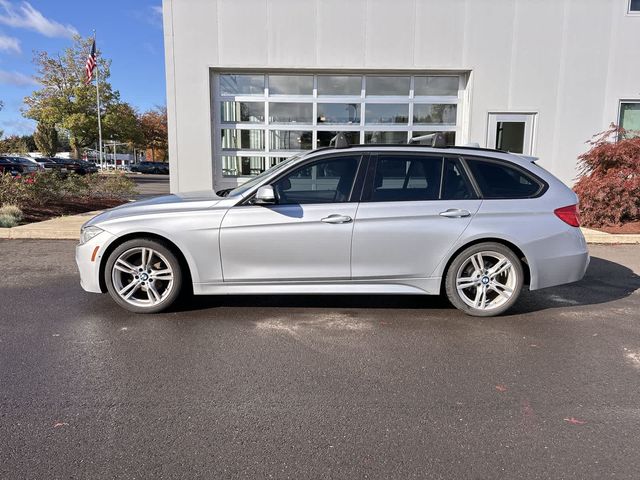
column 337, row 218
column 455, row 213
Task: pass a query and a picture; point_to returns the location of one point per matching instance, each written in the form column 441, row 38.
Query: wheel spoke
column 143, row 257
column 152, row 293
column 478, row 262
column 149, row 257
column 166, row 274
column 477, row 299
column 128, row 287
column 503, row 287
column 136, row 285
column 499, row 268
column 465, row 282
column 501, row 292
column 124, row 266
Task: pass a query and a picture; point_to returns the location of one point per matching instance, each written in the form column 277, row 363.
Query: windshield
column 257, row 179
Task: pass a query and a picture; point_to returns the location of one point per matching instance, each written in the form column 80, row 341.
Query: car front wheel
column 485, row 279
column 143, row 276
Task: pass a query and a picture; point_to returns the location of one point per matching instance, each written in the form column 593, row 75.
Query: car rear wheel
column 485, row 279
column 143, row 276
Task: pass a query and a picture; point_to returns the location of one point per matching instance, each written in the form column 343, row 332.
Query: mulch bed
column 69, row 206
column 631, row 227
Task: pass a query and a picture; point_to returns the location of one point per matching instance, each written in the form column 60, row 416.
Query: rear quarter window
column 500, row 180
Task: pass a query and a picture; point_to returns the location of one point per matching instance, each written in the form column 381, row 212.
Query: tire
column 501, row 284
column 150, row 290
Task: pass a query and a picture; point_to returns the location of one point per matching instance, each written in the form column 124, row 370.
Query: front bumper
column 88, row 259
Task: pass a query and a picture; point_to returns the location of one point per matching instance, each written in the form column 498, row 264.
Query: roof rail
column 432, row 140
column 340, row 141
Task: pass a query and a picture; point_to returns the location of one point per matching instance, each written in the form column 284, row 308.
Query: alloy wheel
column 142, row 277
column 486, row 280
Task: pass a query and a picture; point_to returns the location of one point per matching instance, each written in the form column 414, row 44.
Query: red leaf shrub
column 609, row 183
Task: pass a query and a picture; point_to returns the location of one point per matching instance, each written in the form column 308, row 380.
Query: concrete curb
column 60, row 228
column 68, row 228
column 596, row 236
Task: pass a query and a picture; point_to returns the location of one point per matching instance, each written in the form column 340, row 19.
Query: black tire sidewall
column 450, row 280
column 160, row 248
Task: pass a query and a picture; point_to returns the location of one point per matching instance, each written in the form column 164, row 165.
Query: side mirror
column 265, row 195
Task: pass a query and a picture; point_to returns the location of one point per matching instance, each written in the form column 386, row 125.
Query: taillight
column 569, row 215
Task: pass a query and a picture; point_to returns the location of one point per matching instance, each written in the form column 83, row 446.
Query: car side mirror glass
column 265, row 195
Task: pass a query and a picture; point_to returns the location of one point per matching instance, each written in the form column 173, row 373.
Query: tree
column 64, row 100
column 46, row 139
column 17, row 144
column 120, row 122
column 153, row 124
column 609, row 183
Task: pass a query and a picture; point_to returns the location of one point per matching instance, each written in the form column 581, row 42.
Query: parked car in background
column 9, row 166
column 84, row 167
column 51, row 165
column 151, row 167
column 28, row 165
column 475, row 224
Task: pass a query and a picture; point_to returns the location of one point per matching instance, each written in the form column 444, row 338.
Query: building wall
column 571, row 61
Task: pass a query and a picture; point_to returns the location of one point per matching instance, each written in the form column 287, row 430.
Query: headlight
column 87, row 233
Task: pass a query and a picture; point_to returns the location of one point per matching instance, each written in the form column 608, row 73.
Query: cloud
column 25, row 16
column 9, row 44
column 16, row 78
column 156, row 15
column 17, row 126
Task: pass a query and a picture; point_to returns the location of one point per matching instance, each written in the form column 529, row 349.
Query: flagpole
column 98, row 104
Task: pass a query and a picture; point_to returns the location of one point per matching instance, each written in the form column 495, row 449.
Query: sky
column 129, row 32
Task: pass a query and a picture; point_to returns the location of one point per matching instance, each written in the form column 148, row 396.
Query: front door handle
column 337, row 218
column 455, row 213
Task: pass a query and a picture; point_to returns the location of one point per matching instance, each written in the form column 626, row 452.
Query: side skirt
column 406, row 286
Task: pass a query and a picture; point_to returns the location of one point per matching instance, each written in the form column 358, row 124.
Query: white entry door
column 511, row 132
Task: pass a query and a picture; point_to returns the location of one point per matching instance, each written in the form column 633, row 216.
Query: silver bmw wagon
column 477, row 225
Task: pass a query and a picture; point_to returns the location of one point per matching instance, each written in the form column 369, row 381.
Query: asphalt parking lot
column 317, row 387
column 150, row 185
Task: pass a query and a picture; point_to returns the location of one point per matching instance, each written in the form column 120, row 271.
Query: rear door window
column 500, row 181
column 455, row 183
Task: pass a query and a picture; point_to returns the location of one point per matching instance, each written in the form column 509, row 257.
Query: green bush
column 43, row 187
column 12, row 211
column 7, row 221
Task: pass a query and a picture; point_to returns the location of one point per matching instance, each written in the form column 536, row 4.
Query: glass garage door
column 261, row 118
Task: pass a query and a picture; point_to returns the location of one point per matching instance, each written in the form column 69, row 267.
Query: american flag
column 91, row 64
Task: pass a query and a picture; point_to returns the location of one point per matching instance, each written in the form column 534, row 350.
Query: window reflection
column 338, row 113
column 242, row 139
column 388, row 85
column 246, row 112
column 241, row 84
column 449, row 137
column 434, row 113
column 291, row 112
column 386, row 113
column 234, row 166
column 324, row 138
column 290, row 84
column 440, row 85
column 290, row 140
column 385, row 137
column 339, row 85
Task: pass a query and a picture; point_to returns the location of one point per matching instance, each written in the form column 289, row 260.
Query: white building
column 250, row 82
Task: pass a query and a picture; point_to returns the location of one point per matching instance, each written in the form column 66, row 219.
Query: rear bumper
column 564, row 260
column 560, row 270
